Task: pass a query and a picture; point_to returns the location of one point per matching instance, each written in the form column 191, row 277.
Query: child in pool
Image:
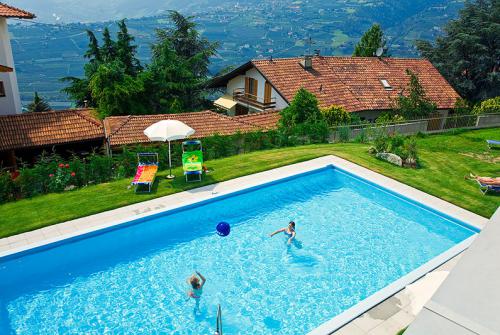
column 289, row 231
column 196, row 286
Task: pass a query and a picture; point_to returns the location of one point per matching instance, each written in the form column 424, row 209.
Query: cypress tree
column 371, row 40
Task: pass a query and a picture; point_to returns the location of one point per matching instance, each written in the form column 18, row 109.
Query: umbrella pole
column 170, row 176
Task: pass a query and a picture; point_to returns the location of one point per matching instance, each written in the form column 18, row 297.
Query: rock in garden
column 391, row 158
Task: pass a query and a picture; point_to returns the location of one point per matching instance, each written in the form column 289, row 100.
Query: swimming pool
column 353, row 239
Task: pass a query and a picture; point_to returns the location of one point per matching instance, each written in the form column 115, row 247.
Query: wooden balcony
column 252, row 100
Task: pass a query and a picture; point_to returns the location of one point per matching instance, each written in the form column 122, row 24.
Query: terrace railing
column 241, row 96
column 434, row 124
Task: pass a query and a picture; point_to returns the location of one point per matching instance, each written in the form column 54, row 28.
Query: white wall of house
column 11, row 103
column 239, row 82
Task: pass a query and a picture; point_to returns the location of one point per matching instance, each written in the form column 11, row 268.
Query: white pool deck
column 468, row 302
column 408, row 301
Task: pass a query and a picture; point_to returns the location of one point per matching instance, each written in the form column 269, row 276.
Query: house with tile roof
column 10, row 101
column 363, row 85
column 25, row 136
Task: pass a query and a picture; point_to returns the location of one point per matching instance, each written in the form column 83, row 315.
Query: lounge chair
column 192, row 160
column 147, row 167
column 493, row 144
column 485, row 188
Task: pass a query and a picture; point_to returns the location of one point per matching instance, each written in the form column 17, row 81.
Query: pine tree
column 108, row 49
column 93, row 52
column 468, row 55
column 184, row 56
column 122, row 51
column 116, row 92
column 126, row 50
column 38, row 105
column 371, row 40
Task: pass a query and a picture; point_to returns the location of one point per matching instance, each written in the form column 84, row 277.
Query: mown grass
column 445, row 160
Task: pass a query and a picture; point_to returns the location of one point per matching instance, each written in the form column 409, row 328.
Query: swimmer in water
column 289, row 231
column 196, row 286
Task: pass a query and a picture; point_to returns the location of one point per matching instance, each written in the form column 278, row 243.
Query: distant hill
column 45, row 52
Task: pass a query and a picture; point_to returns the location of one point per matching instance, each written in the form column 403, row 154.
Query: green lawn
column 445, row 160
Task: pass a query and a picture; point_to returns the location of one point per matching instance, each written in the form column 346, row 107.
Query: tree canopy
column 415, row 103
column 468, row 55
column 115, row 82
column 303, row 119
column 371, row 40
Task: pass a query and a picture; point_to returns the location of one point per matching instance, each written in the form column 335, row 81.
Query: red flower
column 67, row 166
column 73, row 174
column 61, row 165
column 51, row 175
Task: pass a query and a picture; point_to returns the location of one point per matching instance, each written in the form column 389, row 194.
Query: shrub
column 99, row 168
column 395, row 145
column 7, row 187
column 363, row 135
column 462, row 107
column 410, row 149
column 126, row 162
column 381, row 143
column 343, row 133
column 60, row 178
column 336, row 115
column 487, row 106
column 312, row 132
column 303, row 108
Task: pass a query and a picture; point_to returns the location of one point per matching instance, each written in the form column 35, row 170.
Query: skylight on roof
column 386, row 84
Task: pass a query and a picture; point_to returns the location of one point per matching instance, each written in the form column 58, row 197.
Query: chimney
column 307, row 62
column 317, row 52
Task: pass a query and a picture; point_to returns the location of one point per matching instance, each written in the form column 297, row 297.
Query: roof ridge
column 333, row 56
column 85, row 117
column 121, row 126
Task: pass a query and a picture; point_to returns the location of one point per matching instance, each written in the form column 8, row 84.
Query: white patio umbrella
column 168, row 130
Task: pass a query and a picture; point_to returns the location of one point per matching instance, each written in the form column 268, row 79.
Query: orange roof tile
column 354, row 82
column 30, row 130
column 10, row 11
column 264, row 120
column 122, row 130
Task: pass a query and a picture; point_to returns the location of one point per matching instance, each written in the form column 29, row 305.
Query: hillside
column 45, row 52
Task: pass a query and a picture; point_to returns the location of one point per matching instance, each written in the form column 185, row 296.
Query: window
column 251, row 88
column 386, row 84
column 2, row 89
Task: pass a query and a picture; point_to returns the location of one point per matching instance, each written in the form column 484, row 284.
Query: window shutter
column 247, row 85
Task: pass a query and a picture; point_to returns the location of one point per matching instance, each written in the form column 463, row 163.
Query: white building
column 10, row 101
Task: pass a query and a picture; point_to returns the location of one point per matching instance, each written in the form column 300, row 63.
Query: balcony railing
column 241, row 96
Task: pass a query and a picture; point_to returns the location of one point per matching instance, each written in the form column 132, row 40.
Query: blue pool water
column 353, row 239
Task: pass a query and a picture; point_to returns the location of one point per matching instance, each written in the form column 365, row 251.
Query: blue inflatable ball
column 223, row 229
